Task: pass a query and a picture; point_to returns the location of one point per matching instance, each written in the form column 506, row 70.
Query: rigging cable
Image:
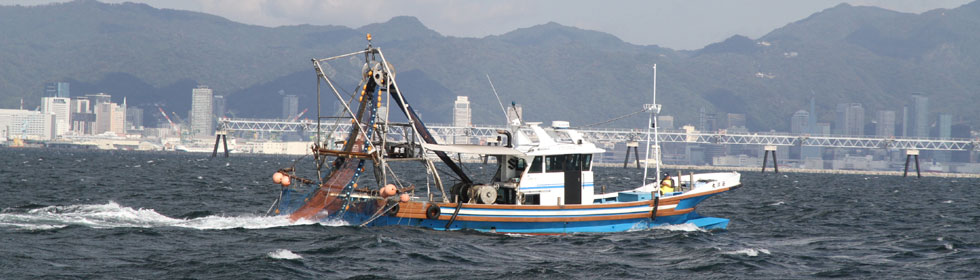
column 615, row 119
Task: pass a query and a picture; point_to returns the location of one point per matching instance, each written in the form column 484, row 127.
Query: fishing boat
column 543, row 181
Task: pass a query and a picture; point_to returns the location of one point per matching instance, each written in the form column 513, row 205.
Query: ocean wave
column 283, row 254
column 113, row 215
column 748, row 252
column 681, row 227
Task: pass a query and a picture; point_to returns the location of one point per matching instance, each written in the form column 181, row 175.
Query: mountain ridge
column 842, row 54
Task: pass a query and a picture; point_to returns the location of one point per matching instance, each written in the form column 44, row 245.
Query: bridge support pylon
column 218, row 137
column 908, row 156
column 775, row 165
column 632, row 145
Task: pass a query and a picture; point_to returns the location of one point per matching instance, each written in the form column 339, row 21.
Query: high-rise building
column 82, row 117
column 960, row 131
column 61, row 108
column 945, row 125
column 822, row 128
column 886, row 123
column 59, row 89
column 81, row 105
column 219, row 106
column 850, row 119
column 811, row 128
column 134, row 118
column 707, row 122
column 290, row 106
column 462, row 117
column 800, row 122
column 26, row 124
column 736, row 120
column 202, row 122
column 665, row 122
column 110, row 117
column 103, row 117
column 905, row 122
column 919, row 116
column 702, row 119
column 462, row 114
column 97, row 98
column 118, row 125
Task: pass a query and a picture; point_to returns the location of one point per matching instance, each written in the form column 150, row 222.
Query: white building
column 26, row 124
column 202, row 109
column 61, row 108
column 462, row 117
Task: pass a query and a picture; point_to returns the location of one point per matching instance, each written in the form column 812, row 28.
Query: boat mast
column 656, row 131
column 652, row 123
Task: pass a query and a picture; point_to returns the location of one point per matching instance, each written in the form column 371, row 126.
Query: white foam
column 948, row 201
column 31, row 226
column 777, row 203
column 748, row 252
column 687, row 227
column 283, row 254
column 113, row 215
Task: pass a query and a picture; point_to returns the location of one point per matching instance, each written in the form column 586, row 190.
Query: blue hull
column 709, row 223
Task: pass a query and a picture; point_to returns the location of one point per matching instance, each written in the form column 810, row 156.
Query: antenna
column 506, row 119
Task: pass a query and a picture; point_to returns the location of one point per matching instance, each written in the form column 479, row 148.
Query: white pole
column 656, row 132
column 646, row 162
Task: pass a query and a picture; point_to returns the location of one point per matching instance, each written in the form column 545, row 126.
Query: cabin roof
column 473, row 149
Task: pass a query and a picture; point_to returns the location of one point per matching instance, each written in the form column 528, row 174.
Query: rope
column 378, row 214
column 615, row 119
column 459, row 204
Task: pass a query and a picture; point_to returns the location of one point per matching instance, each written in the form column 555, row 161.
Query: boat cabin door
column 573, row 178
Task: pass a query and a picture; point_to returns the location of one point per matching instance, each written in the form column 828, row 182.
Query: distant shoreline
column 669, row 167
column 803, row 170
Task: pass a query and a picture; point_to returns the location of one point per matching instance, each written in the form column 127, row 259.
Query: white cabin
column 538, row 166
column 554, row 167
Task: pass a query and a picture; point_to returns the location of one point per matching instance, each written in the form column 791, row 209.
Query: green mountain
column 843, row 54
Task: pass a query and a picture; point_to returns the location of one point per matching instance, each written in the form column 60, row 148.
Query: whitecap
column 32, row 226
column 948, row 201
column 113, row 215
column 688, row 227
column 283, row 254
column 777, row 203
column 748, row 252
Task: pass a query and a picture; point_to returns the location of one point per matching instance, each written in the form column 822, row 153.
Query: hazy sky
column 678, row 24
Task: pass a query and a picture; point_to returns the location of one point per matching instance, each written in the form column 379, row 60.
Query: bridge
column 613, row 135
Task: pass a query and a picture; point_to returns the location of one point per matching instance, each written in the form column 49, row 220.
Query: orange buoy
column 404, row 197
column 277, row 178
column 388, row 190
column 285, row 181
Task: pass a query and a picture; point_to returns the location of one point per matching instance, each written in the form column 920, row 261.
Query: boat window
column 573, row 163
column 517, row 164
column 536, row 165
column 555, row 163
column 586, row 162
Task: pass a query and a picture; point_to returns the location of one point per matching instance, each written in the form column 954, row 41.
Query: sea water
column 110, row 214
